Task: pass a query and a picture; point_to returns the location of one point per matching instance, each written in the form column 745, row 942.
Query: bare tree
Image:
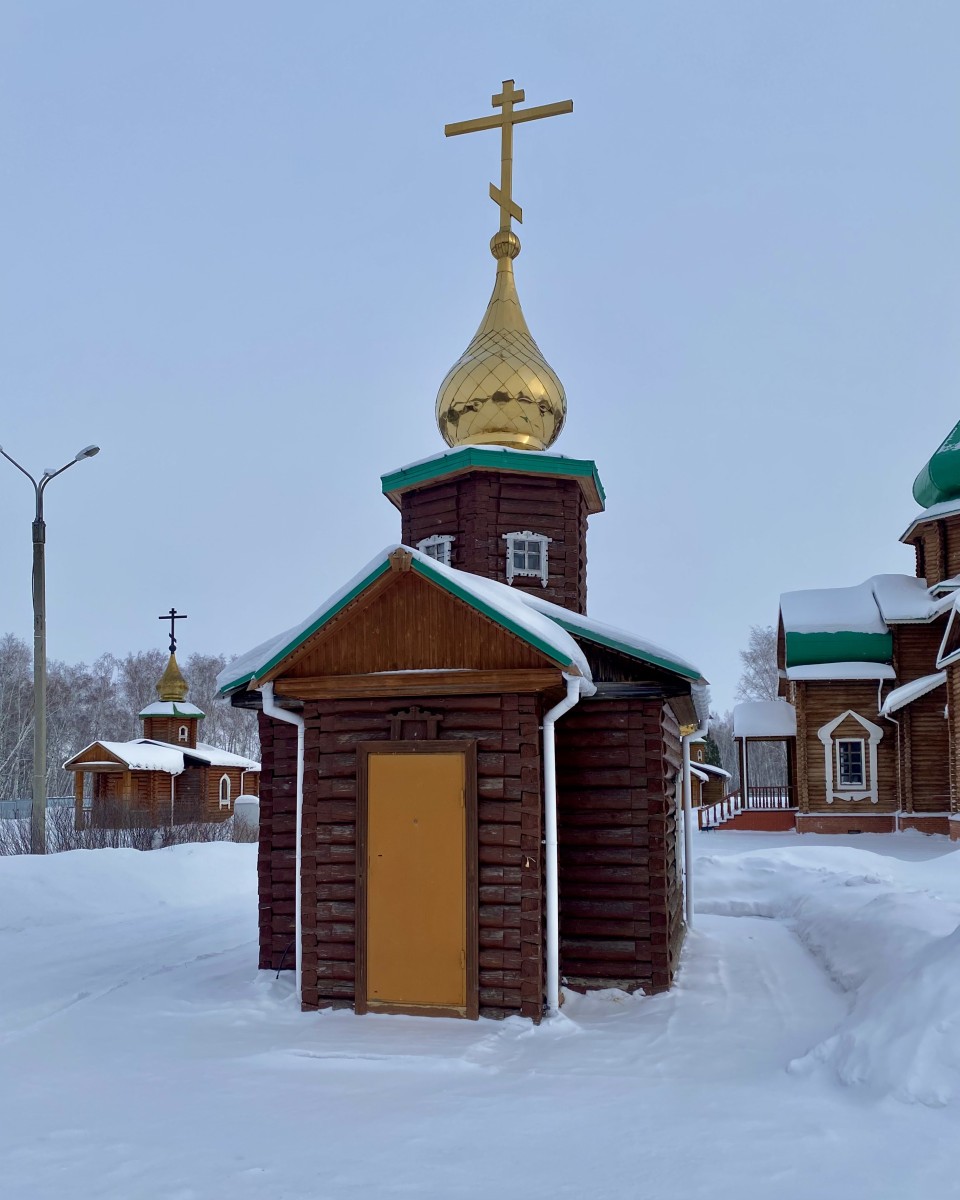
column 760, row 679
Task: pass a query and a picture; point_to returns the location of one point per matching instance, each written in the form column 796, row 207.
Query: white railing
column 778, row 796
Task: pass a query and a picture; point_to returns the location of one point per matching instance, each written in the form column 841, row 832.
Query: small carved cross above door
column 414, row 725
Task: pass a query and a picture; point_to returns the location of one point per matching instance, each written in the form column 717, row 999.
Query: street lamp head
column 87, row 452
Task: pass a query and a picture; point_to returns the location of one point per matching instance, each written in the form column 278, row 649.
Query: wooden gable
column 99, row 754
column 404, row 622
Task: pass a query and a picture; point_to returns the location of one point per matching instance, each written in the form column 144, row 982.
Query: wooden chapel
column 470, row 787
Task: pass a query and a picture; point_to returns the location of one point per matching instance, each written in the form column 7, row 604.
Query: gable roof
column 145, row 754
column 550, row 629
column 502, row 604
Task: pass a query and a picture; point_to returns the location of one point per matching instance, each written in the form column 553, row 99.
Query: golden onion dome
column 502, row 391
column 172, row 685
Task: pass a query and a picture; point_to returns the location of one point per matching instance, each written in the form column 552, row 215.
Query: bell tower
column 498, row 503
column 170, row 718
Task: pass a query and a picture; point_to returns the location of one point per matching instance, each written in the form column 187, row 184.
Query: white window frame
column 225, row 800
column 862, row 782
column 514, row 572
column 183, row 734
column 442, row 543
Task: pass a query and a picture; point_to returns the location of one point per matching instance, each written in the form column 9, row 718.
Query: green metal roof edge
column 311, row 629
column 482, row 456
column 197, row 715
column 591, row 635
column 808, row 649
column 489, row 611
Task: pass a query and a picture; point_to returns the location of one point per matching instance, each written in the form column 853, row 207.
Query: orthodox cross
column 173, row 616
column 505, row 121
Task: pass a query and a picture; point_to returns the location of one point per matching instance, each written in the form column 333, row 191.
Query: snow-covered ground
column 142, row 1055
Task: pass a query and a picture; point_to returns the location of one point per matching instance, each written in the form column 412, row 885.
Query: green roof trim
column 806, row 649
column 318, row 623
column 492, row 459
column 940, row 478
column 591, row 635
column 494, row 614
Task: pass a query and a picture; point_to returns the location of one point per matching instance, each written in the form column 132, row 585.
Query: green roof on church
column 497, row 458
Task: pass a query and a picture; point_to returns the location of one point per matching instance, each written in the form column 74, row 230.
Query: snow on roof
column 608, row 635
column 764, row 718
column 147, row 754
column 500, row 601
column 902, row 597
column 946, row 508
column 171, row 708
column 832, row 610
column 840, row 670
column 221, row 758
column 696, row 772
column 712, row 769
column 902, row 696
column 142, row 755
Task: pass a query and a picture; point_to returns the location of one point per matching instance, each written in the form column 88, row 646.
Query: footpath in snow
column 143, row 1057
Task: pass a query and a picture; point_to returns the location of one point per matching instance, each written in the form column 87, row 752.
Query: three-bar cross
column 505, row 121
column 172, row 616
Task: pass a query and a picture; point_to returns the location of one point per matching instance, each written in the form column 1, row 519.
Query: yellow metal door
column 416, row 945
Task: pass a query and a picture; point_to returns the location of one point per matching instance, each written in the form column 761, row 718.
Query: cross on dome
column 173, row 616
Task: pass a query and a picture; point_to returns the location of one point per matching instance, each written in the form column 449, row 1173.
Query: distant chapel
column 470, row 787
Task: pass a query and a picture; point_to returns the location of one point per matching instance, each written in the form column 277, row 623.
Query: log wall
column 620, row 890
column 479, row 508
column 277, row 853
column 923, row 732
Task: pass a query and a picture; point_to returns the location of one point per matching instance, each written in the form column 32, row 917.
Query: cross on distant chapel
column 505, row 121
column 173, row 616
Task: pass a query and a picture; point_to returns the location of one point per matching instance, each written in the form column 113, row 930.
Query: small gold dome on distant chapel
column 502, row 391
column 172, row 685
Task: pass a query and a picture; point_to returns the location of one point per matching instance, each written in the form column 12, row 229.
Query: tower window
column 224, row 791
column 183, row 734
column 527, row 555
column 438, row 546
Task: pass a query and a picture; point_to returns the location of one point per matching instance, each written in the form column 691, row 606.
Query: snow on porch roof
column 139, row 755
column 496, row 600
column 764, row 718
column 902, row 696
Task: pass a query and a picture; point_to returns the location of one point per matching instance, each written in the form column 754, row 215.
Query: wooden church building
column 470, row 786
column 166, row 777
column 873, row 674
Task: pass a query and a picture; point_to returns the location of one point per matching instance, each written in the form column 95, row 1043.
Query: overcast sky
column 240, row 255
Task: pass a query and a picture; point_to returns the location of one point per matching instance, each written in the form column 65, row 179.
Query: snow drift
column 893, row 945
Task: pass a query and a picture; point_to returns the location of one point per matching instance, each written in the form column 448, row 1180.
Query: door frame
column 468, row 750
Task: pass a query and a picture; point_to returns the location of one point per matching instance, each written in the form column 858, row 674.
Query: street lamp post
column 38, row 815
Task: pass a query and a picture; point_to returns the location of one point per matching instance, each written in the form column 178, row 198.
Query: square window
column 526, row 555
column 438, row 547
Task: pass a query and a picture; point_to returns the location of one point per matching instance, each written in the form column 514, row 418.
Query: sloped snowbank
column 892, row 944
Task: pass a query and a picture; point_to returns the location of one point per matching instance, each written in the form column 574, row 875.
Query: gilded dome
column 502, row 391
column 172, row 685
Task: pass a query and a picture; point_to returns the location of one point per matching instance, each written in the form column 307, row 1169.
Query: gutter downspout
column 894, row 721
column 687, row 738
column 575, row 689
column 273, row 710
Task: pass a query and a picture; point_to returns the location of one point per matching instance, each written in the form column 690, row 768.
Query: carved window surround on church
column 438, row 546
column 527, row 556
column 850, row 774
